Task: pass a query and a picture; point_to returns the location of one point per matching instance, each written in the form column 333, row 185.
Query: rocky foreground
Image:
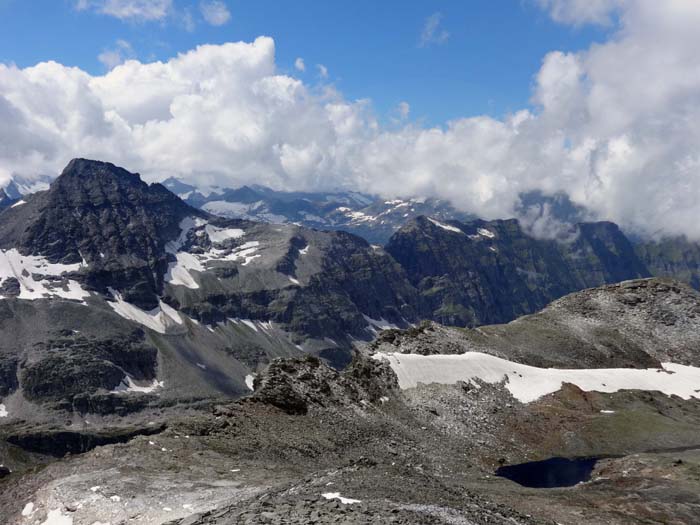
column 314, row 445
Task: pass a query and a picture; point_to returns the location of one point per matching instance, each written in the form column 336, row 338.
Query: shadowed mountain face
column 485, row 272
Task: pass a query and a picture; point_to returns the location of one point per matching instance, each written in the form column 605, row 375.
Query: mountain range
column 134, row 313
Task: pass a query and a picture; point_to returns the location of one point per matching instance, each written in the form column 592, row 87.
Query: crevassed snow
column 159, row 319
column 56, row 517
column 217, row 235
column 3, row 411
column 129, row 385
column 445, row 226
column 528, row 383
column 18, row 203
column 29, row 270
column 336, row 495
column 249, row 379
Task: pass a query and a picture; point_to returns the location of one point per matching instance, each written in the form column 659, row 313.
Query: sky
column 371, row 49
column 476, row 102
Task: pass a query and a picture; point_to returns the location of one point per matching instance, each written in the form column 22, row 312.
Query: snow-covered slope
column 529, row 383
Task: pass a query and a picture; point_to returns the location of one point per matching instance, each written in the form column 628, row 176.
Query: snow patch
column 336, row 495
column 28, row 509
column 129, row 385
column 249, row 380
column 18, row 203
column 56, row 517
column 529, row 383
column 293, row 280
column 218, row 235
column 304, row 250
column 160, row 319
column 445, row 226
column 30, row 270
column 3, row 411
column 485, row 233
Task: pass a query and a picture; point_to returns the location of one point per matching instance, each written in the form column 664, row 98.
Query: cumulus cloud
column 215, row 12
column 616, row 127
column 299, row 64
column 432, row 33
column 135, row 10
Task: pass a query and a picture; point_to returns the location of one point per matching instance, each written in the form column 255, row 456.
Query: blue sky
column 598, row 99
column 370, row 48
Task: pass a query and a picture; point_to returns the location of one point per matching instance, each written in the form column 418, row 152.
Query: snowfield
column 529, row 383
column 179, row 272
column 31, row 271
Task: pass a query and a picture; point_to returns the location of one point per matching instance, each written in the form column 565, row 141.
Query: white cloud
column 136, row 10
column 432, row 33
column 578, row 12
column 215, row 12
column 403, row 109
column 615, row 126
column 187, row 20
column 322, row 70
column 299, row 64
column 111, row 58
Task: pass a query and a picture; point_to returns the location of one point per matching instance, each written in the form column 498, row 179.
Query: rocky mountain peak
column 106, row 217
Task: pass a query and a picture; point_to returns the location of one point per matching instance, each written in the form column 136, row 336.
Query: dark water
column 550, row 473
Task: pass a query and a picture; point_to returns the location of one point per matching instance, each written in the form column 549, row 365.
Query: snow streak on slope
column 528, row 383
column 159, row 319
column 445, row 226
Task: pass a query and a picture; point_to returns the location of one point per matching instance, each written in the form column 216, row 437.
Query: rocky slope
column 634, row 324
column 312, row 444
column 484, row 272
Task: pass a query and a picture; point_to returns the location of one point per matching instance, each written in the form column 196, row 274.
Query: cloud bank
column 616, row 126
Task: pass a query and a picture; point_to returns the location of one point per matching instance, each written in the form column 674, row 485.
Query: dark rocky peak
column 106, row 216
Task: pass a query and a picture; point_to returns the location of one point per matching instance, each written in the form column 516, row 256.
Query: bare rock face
column 484, row 272
column 296, row 385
